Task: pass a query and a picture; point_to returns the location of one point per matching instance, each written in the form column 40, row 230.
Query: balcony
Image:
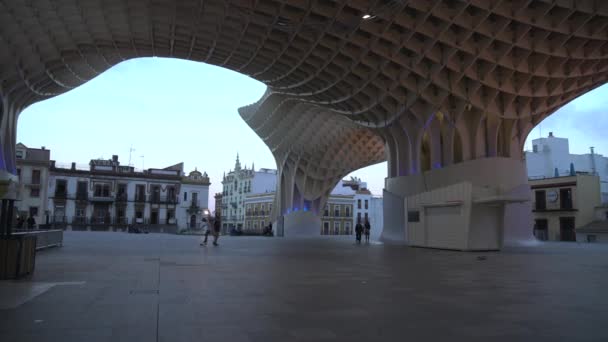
column 121, row 197
column 194, row 204
column 157, row 199
column 31, row 182
column 101, row 197
column 140, row 197
column 82, row 196
column 61, row 194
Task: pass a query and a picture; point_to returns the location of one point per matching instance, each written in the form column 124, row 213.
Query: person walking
column 358, row 231
column 367, row 230
column 31, row 222
column 207, row 232
column 216, row 230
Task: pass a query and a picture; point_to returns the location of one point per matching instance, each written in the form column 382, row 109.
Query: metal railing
column 82, row 196
column 61, row 194
column 122, row 197
column 45, row 238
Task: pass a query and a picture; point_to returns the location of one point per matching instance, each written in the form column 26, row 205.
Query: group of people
column 213, row 230
column 31, row 222
column 361, row 229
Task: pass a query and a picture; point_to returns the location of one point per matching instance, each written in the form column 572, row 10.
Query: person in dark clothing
column 31, row 222
column 367, row 230
column 216, row 230
column 20, row 222
column 358, row 231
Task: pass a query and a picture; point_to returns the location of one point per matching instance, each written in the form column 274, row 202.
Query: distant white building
column 33, row 173
column 551, row 157
column 193, row 206
column 110, row 196
column 237, row 185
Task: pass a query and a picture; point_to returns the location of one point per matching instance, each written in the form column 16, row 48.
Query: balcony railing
column 30, row 181
column 61, row 195
column 121, row 197
column 194, row 204
column 163, row 199
column 82, row 196
column 140, row 197
column 101, row 197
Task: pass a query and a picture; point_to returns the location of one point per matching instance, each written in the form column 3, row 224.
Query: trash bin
column 17, row 256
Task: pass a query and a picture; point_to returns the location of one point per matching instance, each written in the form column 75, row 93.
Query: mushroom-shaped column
column 314, row 148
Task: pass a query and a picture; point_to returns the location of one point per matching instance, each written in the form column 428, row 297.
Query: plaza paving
column 155, row 287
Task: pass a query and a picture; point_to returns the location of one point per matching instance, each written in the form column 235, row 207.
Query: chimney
column 73, row 166
column 550, row 134
column 115, row 158
column 43, row 148
column 52, row 164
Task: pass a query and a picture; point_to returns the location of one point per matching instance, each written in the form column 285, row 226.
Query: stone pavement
column 156, row 287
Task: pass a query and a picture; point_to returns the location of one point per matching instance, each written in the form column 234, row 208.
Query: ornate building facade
column 239, row 183
column 110, row 196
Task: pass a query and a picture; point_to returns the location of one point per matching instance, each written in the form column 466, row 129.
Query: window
column 336, row 210
column 366, row 218
column 541, row 200
column 19, row 154
column 347, row 211
column 34, row 192
column 35, row 176
column 185, row 195
column 541, row 229
column 565, row 196
column 81, row 190
column 326, row 213
column 195, row 198
column 33, row 211
column 102, row 190
column 140, row 192
column 80, row 211
column 156, row 194
column 19, row 174
column 122, row 191
column 325, row 228
column 413, row 216
column 170, row 194
column 60, row 188
column 366, row 204
column 358, row 204
column 347, row 228
column 337, row 228
column 358, row 217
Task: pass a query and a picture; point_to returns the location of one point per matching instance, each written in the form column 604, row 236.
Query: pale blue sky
column 172, row 110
